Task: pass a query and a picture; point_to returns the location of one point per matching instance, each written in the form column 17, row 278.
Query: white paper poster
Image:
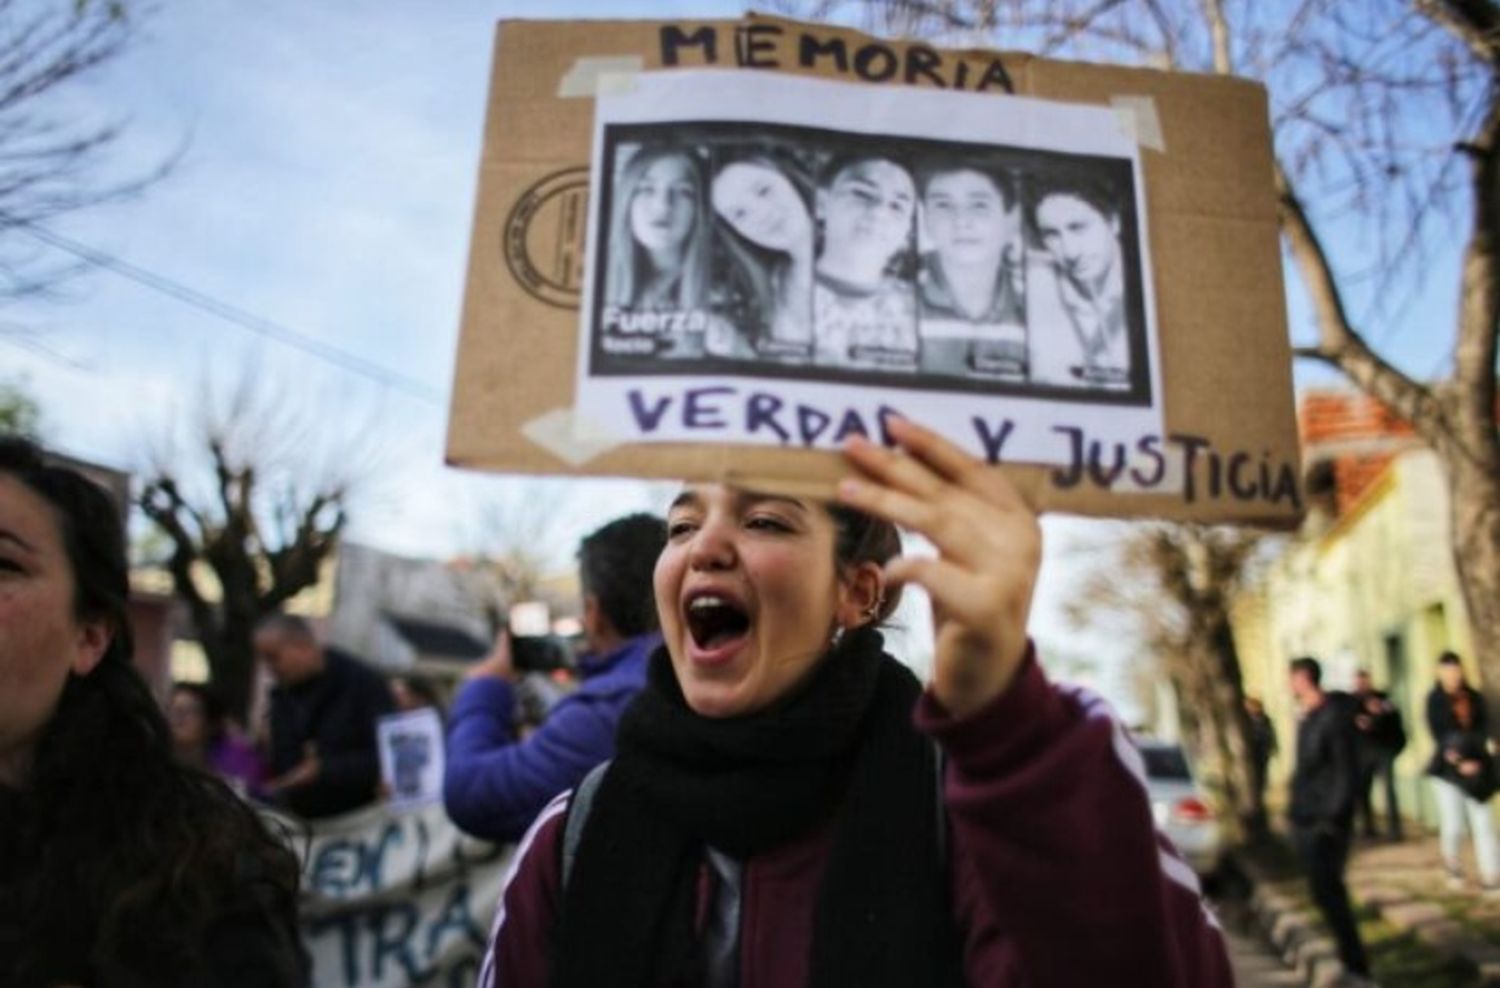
column 784, row 261
column 411, row 756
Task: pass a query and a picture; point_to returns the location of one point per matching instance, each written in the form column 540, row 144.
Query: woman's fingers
column 955, row 591
column 892, row 468
column 946, row 524
column 980, row 622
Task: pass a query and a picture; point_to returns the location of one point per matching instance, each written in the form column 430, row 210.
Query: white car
column 1178, row 804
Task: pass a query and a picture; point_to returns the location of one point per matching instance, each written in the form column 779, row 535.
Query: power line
column 266, row 328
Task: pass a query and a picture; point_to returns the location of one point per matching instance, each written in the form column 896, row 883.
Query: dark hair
column 1450, row 658
column 1099, row 194
column 215, row 711
column 116, row 859
column 615, row 565
column 861, row 538
column 1308, row 666
column 947, row 164
column 422, row 688
column 291, row 626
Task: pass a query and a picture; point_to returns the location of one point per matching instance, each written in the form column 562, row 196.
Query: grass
column 1397, row 958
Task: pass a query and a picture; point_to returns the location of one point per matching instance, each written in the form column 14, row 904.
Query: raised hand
column 990, row 550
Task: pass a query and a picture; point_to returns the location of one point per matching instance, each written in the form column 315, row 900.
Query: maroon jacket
column 1059, row 877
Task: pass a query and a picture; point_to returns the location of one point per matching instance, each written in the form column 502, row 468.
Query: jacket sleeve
column 1056, row 851
column 1343, row 757
column 520, row 941
column 494, row 785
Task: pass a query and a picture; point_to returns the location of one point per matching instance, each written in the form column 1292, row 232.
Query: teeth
column 705, row 602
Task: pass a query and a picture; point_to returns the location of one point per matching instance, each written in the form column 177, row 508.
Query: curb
column 1293, row 931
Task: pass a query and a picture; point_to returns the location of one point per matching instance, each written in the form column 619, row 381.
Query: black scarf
column 842, row 745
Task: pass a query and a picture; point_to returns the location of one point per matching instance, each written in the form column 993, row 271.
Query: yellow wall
column 1376, row 590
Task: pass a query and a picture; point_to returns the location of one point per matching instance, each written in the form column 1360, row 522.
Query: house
column 1369, row 583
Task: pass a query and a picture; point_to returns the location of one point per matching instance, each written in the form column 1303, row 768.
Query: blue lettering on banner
column 381, row 938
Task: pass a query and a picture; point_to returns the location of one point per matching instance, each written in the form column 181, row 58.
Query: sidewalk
column 1400, row 893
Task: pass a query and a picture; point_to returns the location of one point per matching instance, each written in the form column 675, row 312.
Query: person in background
column 1380, row 739
column 413, row 693
column 495, row 783
column 203, row 737
column 119, row 865
column 1322, row 806
column 1463, row 773
column 1263, row 748
column 323, row 759
column 788, row 806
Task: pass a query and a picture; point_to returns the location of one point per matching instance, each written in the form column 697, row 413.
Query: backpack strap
column 578, row 817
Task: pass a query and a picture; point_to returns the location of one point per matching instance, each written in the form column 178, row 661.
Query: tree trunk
column 231, row 662
column 1476, row 556
column 1229, row 710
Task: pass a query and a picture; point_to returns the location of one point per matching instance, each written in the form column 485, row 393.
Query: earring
column 873, row 611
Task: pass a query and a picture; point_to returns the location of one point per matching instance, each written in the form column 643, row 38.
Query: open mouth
column 715, row 621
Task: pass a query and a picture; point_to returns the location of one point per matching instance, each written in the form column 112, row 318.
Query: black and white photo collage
column 790, row 252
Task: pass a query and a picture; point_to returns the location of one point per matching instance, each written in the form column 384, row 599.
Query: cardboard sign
column 711, row 250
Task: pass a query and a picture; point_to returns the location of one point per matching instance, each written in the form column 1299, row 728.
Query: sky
column 325, row 164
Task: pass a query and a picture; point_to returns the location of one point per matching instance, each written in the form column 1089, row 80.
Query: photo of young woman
column 658, row 260
column 764, row 287
column 970, row 293
column 864, row 304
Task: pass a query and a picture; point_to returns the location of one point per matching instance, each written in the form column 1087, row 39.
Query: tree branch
column 1474, row 22
column 1479, row 312
column 1339, row 343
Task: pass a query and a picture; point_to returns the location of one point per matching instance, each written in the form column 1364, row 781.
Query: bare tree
column 520, row 540
column 1171, row 587
column 251, row 504
column 51, row 156
column 1386, row 115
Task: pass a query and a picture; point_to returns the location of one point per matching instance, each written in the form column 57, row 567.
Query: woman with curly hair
column 119, row 866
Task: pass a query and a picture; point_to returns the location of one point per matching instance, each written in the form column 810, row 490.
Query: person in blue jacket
column 494, row 783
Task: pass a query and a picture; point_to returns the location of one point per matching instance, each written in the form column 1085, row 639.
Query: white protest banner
column 395, row 898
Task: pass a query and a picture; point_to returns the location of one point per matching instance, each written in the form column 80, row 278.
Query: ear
column 592, row 614
column 89, row 647
column 861, row 589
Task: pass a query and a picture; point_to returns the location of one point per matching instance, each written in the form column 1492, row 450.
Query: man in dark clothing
column 323, row 757
column 1322, row 807
column 1381, row 736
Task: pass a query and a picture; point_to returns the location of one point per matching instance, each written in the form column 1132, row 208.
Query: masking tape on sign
column 1140, row 121
column 597, row 75
column 560, row 433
